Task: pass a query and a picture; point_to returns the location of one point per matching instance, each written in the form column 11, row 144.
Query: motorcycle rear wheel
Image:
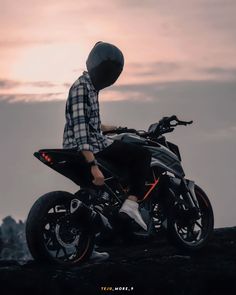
column 196, row 233
column 51, row 235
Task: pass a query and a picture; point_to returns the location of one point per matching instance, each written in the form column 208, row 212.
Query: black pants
column 135, row 159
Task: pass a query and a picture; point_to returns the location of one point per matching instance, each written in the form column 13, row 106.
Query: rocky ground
column 156, row 268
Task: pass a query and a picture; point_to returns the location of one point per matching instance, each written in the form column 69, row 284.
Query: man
column 83, row 128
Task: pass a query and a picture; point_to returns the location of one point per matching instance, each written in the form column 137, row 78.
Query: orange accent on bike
column 81, row 257
column 149, row 191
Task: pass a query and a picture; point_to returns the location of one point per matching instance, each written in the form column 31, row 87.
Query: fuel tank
column 162, row 157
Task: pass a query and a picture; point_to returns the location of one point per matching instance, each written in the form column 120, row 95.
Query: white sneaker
column 98, row 256
column 131, row 208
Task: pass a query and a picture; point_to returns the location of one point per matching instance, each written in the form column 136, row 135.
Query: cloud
column 154, row 68
column 167, row 33
column 44, row 97
column 179, row 71
column 11, row 84
column 220, row 71
column 67, row 85
column 23, row 42
column 174, row 88
column 185, row 91
column 41, row 84
column 8, row 84
column 136, row 4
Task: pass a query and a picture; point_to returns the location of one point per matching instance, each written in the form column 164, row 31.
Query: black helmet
column 104, row 64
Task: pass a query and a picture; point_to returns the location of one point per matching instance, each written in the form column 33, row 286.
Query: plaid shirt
column 83, row 125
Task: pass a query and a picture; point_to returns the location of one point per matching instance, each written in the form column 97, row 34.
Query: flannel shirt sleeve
column 79, row 116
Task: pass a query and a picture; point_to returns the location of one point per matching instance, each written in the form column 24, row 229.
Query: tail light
column 46, row 157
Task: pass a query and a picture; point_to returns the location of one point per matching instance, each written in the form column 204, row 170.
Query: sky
column 179, row 59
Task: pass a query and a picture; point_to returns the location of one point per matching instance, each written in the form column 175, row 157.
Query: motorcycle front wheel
column 195, row 233
column 51, row 234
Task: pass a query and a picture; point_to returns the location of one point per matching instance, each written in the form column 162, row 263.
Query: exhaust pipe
column 89, row 218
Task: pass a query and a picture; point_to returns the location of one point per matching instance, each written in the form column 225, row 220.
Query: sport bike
column 63, row 227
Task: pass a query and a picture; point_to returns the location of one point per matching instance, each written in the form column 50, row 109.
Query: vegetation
column 12, row 240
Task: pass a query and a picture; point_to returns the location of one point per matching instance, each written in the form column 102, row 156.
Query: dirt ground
column 145, row 268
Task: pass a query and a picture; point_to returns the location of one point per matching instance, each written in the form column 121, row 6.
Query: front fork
column 187, row 188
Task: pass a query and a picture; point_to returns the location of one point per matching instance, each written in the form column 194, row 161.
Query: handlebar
column 165, row 125
column 168, row 120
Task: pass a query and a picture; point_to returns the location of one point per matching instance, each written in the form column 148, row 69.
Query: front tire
column 196, row 234
column 51, row 235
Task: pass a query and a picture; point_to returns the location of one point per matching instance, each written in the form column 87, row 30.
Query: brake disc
column 66, row 233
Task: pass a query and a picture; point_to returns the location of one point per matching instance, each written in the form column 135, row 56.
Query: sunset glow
column 50, row 40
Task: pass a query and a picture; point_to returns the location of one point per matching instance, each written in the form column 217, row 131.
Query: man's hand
column 97, row 175
column 95, row 171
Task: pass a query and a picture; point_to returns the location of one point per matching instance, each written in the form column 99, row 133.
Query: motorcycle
column 63, row 228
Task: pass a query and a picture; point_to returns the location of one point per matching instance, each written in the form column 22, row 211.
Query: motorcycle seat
column 67, row 161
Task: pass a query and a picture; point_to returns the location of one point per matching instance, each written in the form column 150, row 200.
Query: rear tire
column 49, row 231
column 196, row 236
